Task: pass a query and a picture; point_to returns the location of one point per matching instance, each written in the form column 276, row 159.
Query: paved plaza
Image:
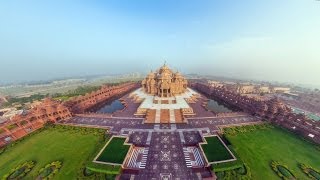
column 166, row 156
column 117, row 124
column 165, row 151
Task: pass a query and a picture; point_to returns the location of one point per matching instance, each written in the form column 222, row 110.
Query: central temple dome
column 164, row 82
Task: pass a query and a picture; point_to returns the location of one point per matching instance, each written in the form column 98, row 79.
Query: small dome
column 178, row 75
column 165, row 69
column 151, row 75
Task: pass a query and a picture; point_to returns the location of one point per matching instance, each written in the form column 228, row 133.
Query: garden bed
column 49, row 170
column 20, row 171
column 282, row 170
column 215, row 150
column 73, row 145
column 114, row 151
column 258, row 146
column 310, row 171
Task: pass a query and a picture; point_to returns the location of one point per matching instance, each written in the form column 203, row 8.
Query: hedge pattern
column 232, row 170
column 247, row 128
column 282, row 170
column 310, row 171
column 101, row 133
column 49, row 170
column 20, row 171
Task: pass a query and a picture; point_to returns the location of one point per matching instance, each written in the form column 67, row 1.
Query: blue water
column 110, row 108
column 217, row 107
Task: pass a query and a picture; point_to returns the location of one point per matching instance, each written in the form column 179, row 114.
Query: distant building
column 281, row 90
column 215, row 83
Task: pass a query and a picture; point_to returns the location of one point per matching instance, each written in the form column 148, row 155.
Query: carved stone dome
column 164, row 82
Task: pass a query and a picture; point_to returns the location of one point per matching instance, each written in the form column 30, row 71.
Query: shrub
column 281, row 170
column 233, row 169
column 20, row 171
column 2, row 150
column 49, row 170
column 106, row 169
column 92, row 167
column 242, row 170
column 87, row 172
column 310, row 171
column 227, row 166
column 247, row 128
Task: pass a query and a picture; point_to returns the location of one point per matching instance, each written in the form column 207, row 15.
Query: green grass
column 115, row 152
column 215, row 150
column 70, row 147
column 259, row 147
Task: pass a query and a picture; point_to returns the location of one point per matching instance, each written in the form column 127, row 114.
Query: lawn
column 257, row 148
column 70, row 147
column 115, row 152
column 215, row 150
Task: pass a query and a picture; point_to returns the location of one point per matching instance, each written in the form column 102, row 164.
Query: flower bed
column 239, row 173
column 20, row 171
column 247, row 128
column 281, row 170
column 49, row 170
column 310, row 171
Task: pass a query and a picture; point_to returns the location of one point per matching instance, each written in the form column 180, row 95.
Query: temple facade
column 274, row 110
column 21, row 125
column 164, row 83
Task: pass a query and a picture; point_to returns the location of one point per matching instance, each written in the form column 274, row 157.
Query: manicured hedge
column 233, row 169
column 242, row 173
column 20, row 171
column 83, row 130
column 228, row 165
column 247, row 128
column 101, row 133
column 91, row 170
column 49, row 170
column 13, row 143
column 282, row 170
column 310, row 171
column 2, row 150
column 98, row 170
column 104, row 168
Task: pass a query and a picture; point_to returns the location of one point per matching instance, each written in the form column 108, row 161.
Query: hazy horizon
column 271, row 41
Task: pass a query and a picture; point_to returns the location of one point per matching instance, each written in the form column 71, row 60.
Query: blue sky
column 263, row 40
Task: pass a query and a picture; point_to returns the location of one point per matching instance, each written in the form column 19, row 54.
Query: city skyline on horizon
column 247, row 40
